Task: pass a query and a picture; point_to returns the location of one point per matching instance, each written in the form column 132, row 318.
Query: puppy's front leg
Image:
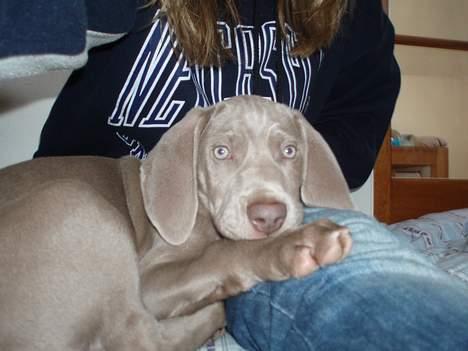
column 192, row 331
column 226, row 268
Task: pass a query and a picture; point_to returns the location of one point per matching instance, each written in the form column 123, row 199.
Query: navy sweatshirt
column 131, row 91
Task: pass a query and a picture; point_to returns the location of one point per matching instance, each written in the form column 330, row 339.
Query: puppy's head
column 250, row 162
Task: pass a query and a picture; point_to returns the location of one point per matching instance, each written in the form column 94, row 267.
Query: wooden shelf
column 436, row 158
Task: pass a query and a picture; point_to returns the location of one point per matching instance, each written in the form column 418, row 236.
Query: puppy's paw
column 312, row 246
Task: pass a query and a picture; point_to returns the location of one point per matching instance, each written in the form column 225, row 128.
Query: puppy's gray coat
column 97, row 253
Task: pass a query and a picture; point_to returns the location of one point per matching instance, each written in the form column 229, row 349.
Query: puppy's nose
column 266, row 217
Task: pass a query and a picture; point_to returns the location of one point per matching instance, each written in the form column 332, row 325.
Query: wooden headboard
column 397, row 199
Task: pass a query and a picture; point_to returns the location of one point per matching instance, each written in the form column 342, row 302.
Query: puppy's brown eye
column 221, row 152
column 289, row 151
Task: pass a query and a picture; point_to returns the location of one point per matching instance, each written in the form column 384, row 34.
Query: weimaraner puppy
column 105, row 254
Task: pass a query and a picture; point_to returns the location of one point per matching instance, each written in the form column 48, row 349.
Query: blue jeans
column 384, row 296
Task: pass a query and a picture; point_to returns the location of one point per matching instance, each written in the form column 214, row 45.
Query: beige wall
column 434, row 95
column 24, row 106
column 431, row 18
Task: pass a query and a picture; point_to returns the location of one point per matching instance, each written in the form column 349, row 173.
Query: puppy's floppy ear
column 323, row 183
column 168, row 178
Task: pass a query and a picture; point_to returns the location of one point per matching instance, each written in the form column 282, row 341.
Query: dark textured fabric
column 59, row 27
column 131, row 91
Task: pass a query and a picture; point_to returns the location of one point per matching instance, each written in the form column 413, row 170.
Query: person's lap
column 384, row 296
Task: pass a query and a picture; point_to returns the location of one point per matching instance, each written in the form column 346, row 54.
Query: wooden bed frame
column 397, row 199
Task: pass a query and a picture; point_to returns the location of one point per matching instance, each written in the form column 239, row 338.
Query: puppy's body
column 92, row 249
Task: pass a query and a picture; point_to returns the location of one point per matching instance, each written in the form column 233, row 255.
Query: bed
column 431, row 213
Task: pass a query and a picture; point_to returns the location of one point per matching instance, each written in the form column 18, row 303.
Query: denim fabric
column 384, row 296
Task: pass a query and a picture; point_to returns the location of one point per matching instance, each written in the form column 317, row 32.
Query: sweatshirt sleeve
column 357, row 111
column 44, row 35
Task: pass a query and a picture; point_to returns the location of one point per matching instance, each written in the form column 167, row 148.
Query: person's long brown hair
column 194, row 24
